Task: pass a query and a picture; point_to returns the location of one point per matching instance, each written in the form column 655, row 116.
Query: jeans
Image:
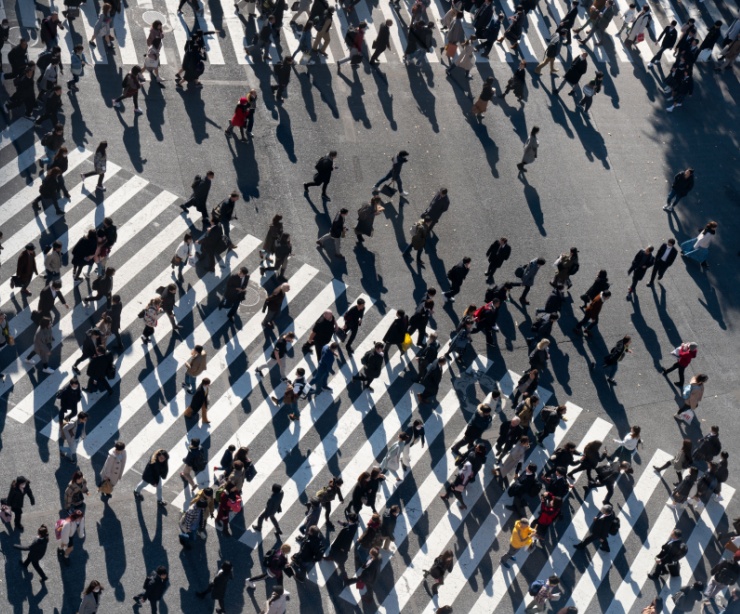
column 190, row 381
column 586, row 102
column 49, row 155
column 396, row 179
column 673, row 198
column 141, row 485
column 320, row 378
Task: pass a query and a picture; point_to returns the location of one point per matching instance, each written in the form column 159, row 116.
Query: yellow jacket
column 521, row 535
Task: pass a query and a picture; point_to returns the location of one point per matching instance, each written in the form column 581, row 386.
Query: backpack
column 519, row 271
column 199, row 462
column 124, row 82
column 268, row 556
column 349, row 37
column 535, row 587
column 58, row 528
column 46, row 139
column 197, row 180
column 614, row 527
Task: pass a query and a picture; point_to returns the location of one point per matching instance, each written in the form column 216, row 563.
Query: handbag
column 675, row 351
column 640, row 37
column 105, row 488
column 451, row 50
column 176, row 260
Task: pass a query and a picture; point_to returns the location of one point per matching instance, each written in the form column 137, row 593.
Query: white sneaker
column 667, row 208
column 404, row 193
column 30, row 361
column 138, row 111
column 496, row 328
column 116, row 105
column 670, row 109
column 679, row 104
column 251, row 585
column 48, row 370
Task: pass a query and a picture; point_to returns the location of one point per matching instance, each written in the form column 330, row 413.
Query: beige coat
column 53, row 262
column 42, row 343
column 114, row 466
column 197, row 365
column 466, row 59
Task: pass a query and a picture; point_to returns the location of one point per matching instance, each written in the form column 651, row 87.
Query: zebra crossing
column 234, row 31
column 147, row 409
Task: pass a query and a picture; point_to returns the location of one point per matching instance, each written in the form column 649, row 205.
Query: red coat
column 685, row 357
column 26, row 267
column 239, row 120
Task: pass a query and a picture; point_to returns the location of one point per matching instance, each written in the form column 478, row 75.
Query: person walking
column 513, row 461
column 396, row 333
column 480, row 106
column 342, row 544
column 548, row 592
column 273, row 304
column 521, row 537
column 74, row 494
column 457, row 486
column 388, row 526
column 692, row 393
column 419, row 234
column 194, row 367
column 69, row 398
column 479, row 423
column 529, row 272
column 36, row 551
column 667, row 40
column 669, row 557
column 100, row 162
column 275, row 561
column 283, row 251
column 324, row 169
column 20, row 488
column 642, row 261
column 282, row 71
column 322, row 333
column 150, row 314
column 372, row 366
column 527, row 384
column 47, row 296
column 437, row 207
column 526, row 485
column 684, row 353
column 498, row 252
column 591, row 314
column 382, row 41
column 578, row 68
column 708, row 446
column 236, row 290
column 642, row 21
column 698, row 248
column 73, row 432
column 269, row 246
column 65, row 531
column 25, row 270
column 217, row 587
column 273, row 506
column 607, row 475
column 277, row 602
column 663, row 260
column 277, row 356
column 194, row 462
column 530, row 149
column 199, row 402
column 394, row 175
column 368, row 575
column 604, row 524
column 99, row 370
column 683, row 183
column 615, row 356
column 551, row 418
column 683, row 488
column 366, row 217
column 335, row 234
column 113, row 469
column 91, row 598
column 352, row 322
column 130, row 89
column 154, row 473
column 154, row 587
column 329, row 353
column 456, row 276
column 552, row 51
column 682, row 461
column 443, row 563
column 199, row 198
column 724, row 575
column 590, row 90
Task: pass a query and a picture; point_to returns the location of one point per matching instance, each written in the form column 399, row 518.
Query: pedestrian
column 642, row 261
column 601, row 21
column 47, row 297
column 394, row 175
column 53, row 262
column 724, row 575
column 489, row 32
column 443, row 563
column 628, row 17
column 337, row 231
column 498, row 253
column 604, row 524
column 427, row 356
column 641, row 22
column 322, row 333
column 102, row 287
column 527, row 384
column 667, row 40
column 154, row 473
column 199, row 402
column 25, row 270
column 230, row 503
column 457, row 487
column 729, row 54
column 572, row 76
column 368, row 575
column 366, row 215
column 552, row 51
column 272, row 239
column 113, row 469
column 591, row 313
column 439, row 204
column 152, row 61
column 217, row 587
column 36, row 551
column 465, row 60
column 551, row 418
column 684, row 353
column 396, row 333
column 305, row 43
column 194, row 366
column 548, row 592
column 275, row 562
column 550, row 507
column 352, row 322
column 310, row 552
column 480, row 106
column 372, row 366
column 514, row 31
column 708, row 446
column 683, row 488
column 283, row 251
column 615, row 356
column 663, row 260
column 18, row 59
column 102, row 27
column 456, row 275
column 236, row 290
column 324, row 168
column 42, row 345
column 272, row 507
column 342, row 544
column 669, row 557
column 419, row 321
column 100, row 369
column 590, row 90
column 74, row 494
column 698, row 249
column 397, row 456
column 150, row 314
column 540, row 355
column 198, row 199
column 682, row 461
column 282, row 71
column 319, row 381
column 627, row 446
column 521, row 537
column 194, row 462
column 25, row 93
column 277, row 356
column 592, row 456
column 100, row 161
column 526, row 485
column 706, row 486
column 354, row 39
column 530, row 150
column 65, row 531
column 276, row 604
column 184, row 254
column 654, row 607
column 388, row 526
column 273, row 304
column 323, row 32
column 419, row 234
column 382, row 41
column 607, row 475
column 130, row 89
column 154, row 588
column 20, row 488
column 91, row 598
column 513, row 461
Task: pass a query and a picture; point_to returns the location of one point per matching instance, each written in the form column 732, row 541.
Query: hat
column 243, row 100
column 30, row 247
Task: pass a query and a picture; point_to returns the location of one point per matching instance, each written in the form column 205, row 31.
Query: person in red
column 230, row 501
column 685, row 353
column 239, row 120
column 355, row 36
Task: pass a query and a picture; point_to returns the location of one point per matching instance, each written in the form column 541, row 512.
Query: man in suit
column 353, row 321
column 98, row 369
column 236, row 290
column 47, row 296
column 199, row 197
column 599, row 529
column 527, row 485
column 669, row 35
column 567, row 23
column 669, row 556
column 642, row 261
column 457, row 275
column 382, row 41
column 666, row 255
column 324, row 168
column 497, row 253
column 224, row 213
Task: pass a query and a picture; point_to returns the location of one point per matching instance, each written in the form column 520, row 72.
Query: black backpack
column 199, row 462
column 197, row 180
column 349, row 37
column 615, row 526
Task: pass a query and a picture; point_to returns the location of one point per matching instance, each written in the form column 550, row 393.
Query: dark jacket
column 323, row 331
column 538, row 359
column 616, row 353
column 710, row 40
column 570, row 18
column 192, row 458
column 312, row 549
column 370, row 571
column 115, row 315
column 388, row 524
column 554, row 302
column 353, row 317
column 337, row 226
column 396, row 332
column 486, row 93
column 577, row 69
column 274, row 302
column 554, row 46
column 477, row 425
column 726, row 572
column 16, row 496
column 274, row 503
column 482, row 17
column 201, row 190
column 498, row 254
column 233, row 287
column 226, row 210
column 98, row 366
column 431, row 380
column 682, row 185
column 507, row 432
column 219, row 584
column 707, row 448
column 345, row 538
column 153, row 472
column 439, row 204
column 458, row 273
column 550, row 419
column 200, row 398
column 600, row 525
column 154, row 587
column 600, row 284
column 669, row 35
column 26, row 267
column 671, row 552
column 671, row 257
column 37, row 548
column 46, row 299
column 373, row 363
column 382, row 40
column 69, row 397
column 18, row 58
column 282, row 72
column 83, row 248
column 324, row 168
column 563, row 456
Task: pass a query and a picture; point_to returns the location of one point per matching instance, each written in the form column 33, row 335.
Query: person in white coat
column 73, row 524
column 114, row 467
column 73, row 432
column 397, row 456
column 639, row 25
column 277, row 603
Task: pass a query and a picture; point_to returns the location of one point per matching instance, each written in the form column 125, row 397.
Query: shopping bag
column 687, row 416
column 105, row 488
column 406, row 343
column 451, row 50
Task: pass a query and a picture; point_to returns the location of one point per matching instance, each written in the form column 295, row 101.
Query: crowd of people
column 701, row 465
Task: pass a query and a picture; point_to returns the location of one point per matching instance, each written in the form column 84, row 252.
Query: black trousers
column 680, row 372
column 322, row 183
column 352, row 330
column 198, row 204
column 609, row 490
column 659, row 269
column 36, row 566
column 263, row 516
column 454, row 290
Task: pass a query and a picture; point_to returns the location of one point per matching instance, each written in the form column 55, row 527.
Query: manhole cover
column 14, row 37
column 472, row 387
column 150, row 17
column 253, row 296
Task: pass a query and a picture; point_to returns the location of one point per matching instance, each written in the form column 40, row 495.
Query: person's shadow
column 535, row 206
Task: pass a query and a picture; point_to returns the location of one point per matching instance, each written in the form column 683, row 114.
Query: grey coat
column 42, row 343
column 530, row 272
column 515, row 457
column 456, row 33
column 530, row 150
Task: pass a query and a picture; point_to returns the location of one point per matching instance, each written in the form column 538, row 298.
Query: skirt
column 699, row 254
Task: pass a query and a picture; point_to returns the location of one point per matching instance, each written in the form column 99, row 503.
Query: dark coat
column 538, row 359
column 36, row 549
column 18, row 58
column 507, row 432
column 373, row 363
column 274, row 503
column 155, row 587
column 345, row 538
column 671, row 257
column 437, row 207
column 98, row 366
column 458, row 273
column 282, row 72
column 370, row 571
column 671, row 552
column 46, row 299
column 274, row 302
column 16, row 496
column 353, row 317
column 596, row 288
column 83, row 248
column 219, row 584
column 554, row 302
column 69, row 398
column 431, row 380
column 616, row 354
column 26, row 268
column 682, row 185
column 600, row 526
column 200, row 398
column 388, row 524
column 498, row 254
column 726, row 572
column 669, row 35
column 482, row 18
column 233, row 287
column 324, row 168
column 396, row 332
column 201, row 190
column 577, row 69
column 337, row 226
column 115, row 315
column 154, row 472
column 563, row 456
column 382, row 40
column 323, row 331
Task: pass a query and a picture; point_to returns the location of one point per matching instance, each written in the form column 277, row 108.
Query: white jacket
column 68, row 531
column 279, row 606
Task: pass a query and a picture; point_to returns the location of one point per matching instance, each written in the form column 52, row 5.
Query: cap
column 30, row 247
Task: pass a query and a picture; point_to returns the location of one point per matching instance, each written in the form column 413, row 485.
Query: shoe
column 48, row 370
column 325, row 198
column 667, row 208
column 404, row 193
column 138, row 496
column 251, row 585
column 162, row 503
column 670, row 110
column 678, row 384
